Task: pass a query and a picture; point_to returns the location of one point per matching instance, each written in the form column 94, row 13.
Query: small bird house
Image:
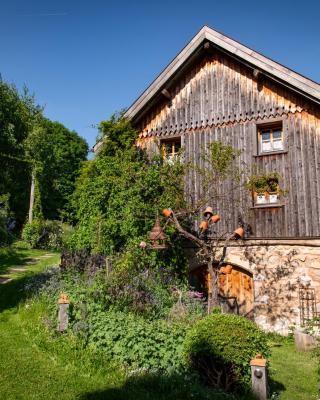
column 157, row 236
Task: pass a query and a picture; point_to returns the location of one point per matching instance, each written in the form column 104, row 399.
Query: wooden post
column 31, row 203
column 63, row 317
column 259, row 377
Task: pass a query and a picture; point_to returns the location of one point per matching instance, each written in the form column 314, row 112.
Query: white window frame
column 273, row 142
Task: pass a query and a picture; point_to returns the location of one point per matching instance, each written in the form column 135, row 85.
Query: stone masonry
column 279, row 268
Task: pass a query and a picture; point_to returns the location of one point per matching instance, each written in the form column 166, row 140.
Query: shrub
column 106, row 323
column 51, row 235
column 82, row 261
column 138, row 343
column 133, row 340
column 141, row 331
column 31, row 232
column 3, row 234
column 220, row 347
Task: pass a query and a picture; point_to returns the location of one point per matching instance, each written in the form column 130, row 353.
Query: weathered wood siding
column 221, row 100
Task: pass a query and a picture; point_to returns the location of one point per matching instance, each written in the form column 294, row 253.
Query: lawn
column 294, row 372
column 32, row 364
column 35, row 364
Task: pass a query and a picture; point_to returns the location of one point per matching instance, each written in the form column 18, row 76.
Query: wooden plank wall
column 221, row 100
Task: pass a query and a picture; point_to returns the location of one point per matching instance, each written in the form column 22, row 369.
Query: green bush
column 3, row 234
column 220, row 347
column 31, row 233
column 109, row 209
column 6, row 236
column 138, row 343
column 51, row 235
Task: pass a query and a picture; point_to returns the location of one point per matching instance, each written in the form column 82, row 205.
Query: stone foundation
column 279, row 268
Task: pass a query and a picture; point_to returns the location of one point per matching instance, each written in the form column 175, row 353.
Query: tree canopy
column 18, row 114
column 119, row 193
column 56, row 154
column 31, row 143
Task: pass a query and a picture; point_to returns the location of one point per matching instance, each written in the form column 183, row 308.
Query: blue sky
column 84, row 60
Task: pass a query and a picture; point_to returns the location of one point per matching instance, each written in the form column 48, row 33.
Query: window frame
column 270, row 128
column 271, row 123
column 170, row 157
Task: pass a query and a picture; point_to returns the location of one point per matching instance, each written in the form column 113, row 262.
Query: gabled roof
column 268, row 67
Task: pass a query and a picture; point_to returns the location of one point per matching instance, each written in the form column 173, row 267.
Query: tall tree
column 31, row 145
column 18, row 114
column 56, row 154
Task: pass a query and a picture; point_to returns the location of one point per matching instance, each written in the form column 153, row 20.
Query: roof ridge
column 276, row 63
column 254, row 59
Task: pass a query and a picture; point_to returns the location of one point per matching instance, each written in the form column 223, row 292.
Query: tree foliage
column 56, row 154
column 31, row 143
column 119, row 193
column 18, row 114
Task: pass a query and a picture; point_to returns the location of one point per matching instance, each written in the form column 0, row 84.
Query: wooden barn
column 217, row 89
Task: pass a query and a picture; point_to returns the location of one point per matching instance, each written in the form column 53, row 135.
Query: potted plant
column 259, row 187
column 265, row 188
column 273, row 188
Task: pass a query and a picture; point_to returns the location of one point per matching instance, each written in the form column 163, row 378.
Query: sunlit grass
column 38, row 364
column 294, row 372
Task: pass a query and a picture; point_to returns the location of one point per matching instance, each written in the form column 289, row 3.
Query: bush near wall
column 45, row 234
column 220, row 347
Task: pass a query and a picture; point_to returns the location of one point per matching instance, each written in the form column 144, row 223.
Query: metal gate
column 307, row 305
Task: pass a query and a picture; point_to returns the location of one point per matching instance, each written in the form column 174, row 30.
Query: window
column 270, row 139
column 170, row 149
column 265, row 189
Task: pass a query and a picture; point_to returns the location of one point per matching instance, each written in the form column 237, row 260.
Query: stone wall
column 279, row 268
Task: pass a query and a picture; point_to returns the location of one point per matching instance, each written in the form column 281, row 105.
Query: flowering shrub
column 139, row 327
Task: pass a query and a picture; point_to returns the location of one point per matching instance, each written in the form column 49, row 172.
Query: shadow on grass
column 275, row 386
column 13, row 293
column 157, row 387
column 11, row 257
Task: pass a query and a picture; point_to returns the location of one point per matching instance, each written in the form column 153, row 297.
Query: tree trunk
column 213, row 287
column 31, row 203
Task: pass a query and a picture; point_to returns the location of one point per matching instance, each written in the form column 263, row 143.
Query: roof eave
column 272, row 69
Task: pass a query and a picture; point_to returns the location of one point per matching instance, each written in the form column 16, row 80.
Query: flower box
column 273, row 198
column 261, row 199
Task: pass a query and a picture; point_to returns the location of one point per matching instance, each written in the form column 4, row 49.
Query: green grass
column 294, row 372
column 36, row 364
column 19, row 254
